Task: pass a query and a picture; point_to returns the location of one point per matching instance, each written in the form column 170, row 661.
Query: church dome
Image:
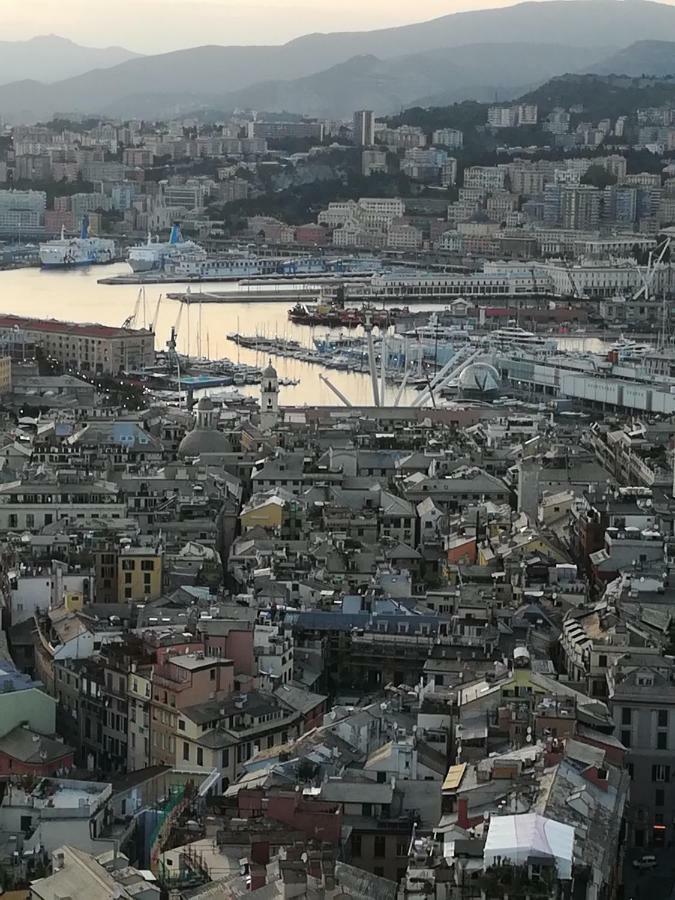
column 203, row 440
column 204, row 437
column 270, row 371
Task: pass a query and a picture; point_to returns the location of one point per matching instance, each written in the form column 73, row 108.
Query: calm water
column 76, row 296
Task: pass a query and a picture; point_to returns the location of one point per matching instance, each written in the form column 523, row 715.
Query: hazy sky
column 153, row 26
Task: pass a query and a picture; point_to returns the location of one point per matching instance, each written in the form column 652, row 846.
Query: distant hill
column 602, row 95
column 477, row 71
column 640, row 58
column 50, row 58
column 212, row 75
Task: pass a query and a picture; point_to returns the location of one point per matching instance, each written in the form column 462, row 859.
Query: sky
column 155, row 26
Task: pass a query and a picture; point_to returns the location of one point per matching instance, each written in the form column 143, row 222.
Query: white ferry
column 158, row 255
column 65, row 253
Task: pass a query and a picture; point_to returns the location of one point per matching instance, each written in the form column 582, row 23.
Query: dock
column 249, row 294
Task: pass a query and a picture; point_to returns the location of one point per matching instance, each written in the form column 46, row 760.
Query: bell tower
column 269, row 399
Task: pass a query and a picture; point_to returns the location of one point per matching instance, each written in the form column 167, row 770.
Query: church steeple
column 269, row 398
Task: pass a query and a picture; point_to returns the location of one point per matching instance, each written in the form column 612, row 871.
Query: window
column 662, row 740
column 661, row 773
column 128, row 565
column 226, row 758
column 356, row 844
column 602, row 660
column 367, row 809
column 128, row 577
column 663, row 718
column 147, row 565
column 626, row 715
column 659, row 797
column 212, row 674
column 625, row 738
column 186, row 750
column 127, row 593
column 200, row 756
column 181, row 725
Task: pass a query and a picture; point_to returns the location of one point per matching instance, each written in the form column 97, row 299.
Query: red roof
column 55, row 326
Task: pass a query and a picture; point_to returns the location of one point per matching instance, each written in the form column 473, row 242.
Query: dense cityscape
column 337, row 484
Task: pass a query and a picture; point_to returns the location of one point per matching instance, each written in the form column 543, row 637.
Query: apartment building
column 450, row 138
column 102, row 349
column 178, row 682
column 364, row 128
column 487, row 178
column 22, row 213
column 580, row 207
column 139, row 574
column 32, row 503
column 642, row 698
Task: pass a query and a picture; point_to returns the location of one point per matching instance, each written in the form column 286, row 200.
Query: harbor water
column 77, row 296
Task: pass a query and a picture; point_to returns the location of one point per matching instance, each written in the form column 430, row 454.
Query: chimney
column 260, row 853
column 463, row 812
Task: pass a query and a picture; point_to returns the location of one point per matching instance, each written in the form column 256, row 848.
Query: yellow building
column 269, row 513
column 5, row 375
column 139, row 574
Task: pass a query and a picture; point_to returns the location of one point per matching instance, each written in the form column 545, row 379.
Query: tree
column 598, row 177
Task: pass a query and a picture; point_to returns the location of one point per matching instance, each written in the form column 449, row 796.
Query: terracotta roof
column 76, row 329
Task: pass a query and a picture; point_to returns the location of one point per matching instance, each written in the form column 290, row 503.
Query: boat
column 625, row 349
column 65, row 253
column 159, row 255
column 515, row 336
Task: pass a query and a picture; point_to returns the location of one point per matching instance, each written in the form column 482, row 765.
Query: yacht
column 515, row 336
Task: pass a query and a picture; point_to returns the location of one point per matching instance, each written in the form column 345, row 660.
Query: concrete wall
column 32, row 706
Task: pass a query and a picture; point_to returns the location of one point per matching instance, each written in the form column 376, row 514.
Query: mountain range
column 50, row 58
column 471, row 55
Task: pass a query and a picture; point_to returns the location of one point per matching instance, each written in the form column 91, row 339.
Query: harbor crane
column 130, row 321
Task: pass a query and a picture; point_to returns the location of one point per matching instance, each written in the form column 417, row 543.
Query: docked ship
column 154, row 256
column 335, row 316
column 64, row 253
column 513, row 336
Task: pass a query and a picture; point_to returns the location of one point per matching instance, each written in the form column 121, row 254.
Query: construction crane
column 652, row 265
column 576, row 294
column 153, row 324
column 130, row 321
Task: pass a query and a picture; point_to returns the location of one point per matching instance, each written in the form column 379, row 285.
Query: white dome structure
column 480, row 380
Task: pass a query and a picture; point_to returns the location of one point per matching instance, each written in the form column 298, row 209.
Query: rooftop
column 76, row 329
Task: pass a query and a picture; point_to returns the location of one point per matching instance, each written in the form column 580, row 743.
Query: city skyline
column 197, row 22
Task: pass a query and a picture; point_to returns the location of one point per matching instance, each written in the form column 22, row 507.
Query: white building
column 487, row 178
column 22, row 211
column 448, row 137
column 502, row 117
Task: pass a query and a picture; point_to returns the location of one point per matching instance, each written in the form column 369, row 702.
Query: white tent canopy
column 529, row 837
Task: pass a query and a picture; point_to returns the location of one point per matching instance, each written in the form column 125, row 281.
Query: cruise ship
column 160, row 255
column 64, row 252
